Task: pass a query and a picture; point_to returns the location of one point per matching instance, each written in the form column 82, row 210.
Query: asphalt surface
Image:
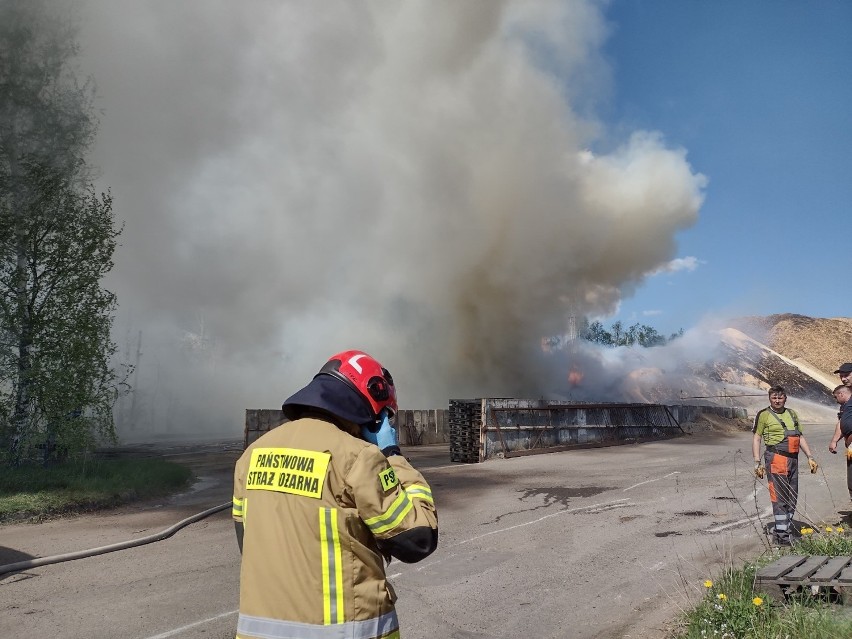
column 605, row 543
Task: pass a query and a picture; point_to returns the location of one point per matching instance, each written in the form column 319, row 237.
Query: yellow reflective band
column 388, row 479
column 288, row 470
column 417, row 491
column 237, row 510
column 332, row 567
column 390, row 519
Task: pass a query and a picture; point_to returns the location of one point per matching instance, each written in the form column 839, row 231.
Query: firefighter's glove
column 759, row 470
column 382, row 434
column 849, row 454
column 813, row 465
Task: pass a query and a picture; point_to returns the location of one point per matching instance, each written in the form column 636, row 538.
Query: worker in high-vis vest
column 321, row 503
column 779, row 429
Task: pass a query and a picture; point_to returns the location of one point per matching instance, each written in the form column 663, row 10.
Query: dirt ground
column 716, row 424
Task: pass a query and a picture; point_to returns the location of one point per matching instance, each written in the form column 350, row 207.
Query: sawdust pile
column 825, row 343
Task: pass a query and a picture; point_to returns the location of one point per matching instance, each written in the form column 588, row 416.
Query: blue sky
column 759, row 95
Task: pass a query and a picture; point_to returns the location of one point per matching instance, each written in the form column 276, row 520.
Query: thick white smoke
column 414, row 179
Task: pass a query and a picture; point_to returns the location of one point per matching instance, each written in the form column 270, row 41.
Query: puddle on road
column 694, row 513
column 561, row 494
column 668, row 533
column 552, row 495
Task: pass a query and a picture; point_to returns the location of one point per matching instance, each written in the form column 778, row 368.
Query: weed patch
column 35, row 492
column 731, row 609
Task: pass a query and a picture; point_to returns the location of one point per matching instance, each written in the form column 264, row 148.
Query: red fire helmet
column 367, row 376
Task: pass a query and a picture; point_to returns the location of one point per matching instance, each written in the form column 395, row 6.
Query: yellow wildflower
column 807, row 531
column 708, row 584
column 757, row 601
column 828, row 529
column 721, row 596
column 839, row 530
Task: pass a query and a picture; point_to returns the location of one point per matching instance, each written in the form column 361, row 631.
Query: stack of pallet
column 464, row 418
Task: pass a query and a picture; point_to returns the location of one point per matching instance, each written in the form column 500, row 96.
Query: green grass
column 730, row 609
column 35, row 492
column 827, row 540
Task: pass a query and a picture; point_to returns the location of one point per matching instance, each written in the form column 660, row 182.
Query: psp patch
column 288, row 470
column 388, row 479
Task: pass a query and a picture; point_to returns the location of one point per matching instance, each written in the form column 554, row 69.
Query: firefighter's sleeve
column 239, row 501
column 396, row 504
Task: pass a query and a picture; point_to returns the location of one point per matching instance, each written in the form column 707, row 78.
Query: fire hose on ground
column 165, row 534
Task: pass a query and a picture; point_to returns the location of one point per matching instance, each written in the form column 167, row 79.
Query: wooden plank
column 780, row 567
column 831, row 569
column 846, row 576
column 803, row 571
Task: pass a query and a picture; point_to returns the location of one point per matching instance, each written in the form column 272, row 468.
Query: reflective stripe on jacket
column 318, row 507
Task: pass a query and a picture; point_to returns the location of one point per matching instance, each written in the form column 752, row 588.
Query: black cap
column 844, row 368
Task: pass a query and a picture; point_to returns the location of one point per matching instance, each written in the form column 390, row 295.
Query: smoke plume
column 426, row 181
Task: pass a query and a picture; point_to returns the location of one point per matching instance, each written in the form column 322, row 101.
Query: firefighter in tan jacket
column 321, row 502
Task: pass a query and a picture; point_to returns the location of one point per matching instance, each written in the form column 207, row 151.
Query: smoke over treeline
column 426, row 181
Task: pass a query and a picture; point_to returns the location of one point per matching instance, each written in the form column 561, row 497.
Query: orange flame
column 575, row 377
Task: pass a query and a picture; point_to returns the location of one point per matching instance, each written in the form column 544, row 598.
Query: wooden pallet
column 793, row 572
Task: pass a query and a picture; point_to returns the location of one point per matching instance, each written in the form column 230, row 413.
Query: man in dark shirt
column 845, row 373
column 843, row 394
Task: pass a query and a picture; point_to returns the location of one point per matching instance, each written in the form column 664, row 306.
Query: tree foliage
column 618, row 335
column 57, row 238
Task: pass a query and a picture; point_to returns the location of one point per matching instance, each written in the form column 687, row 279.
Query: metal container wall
column 481, row 429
